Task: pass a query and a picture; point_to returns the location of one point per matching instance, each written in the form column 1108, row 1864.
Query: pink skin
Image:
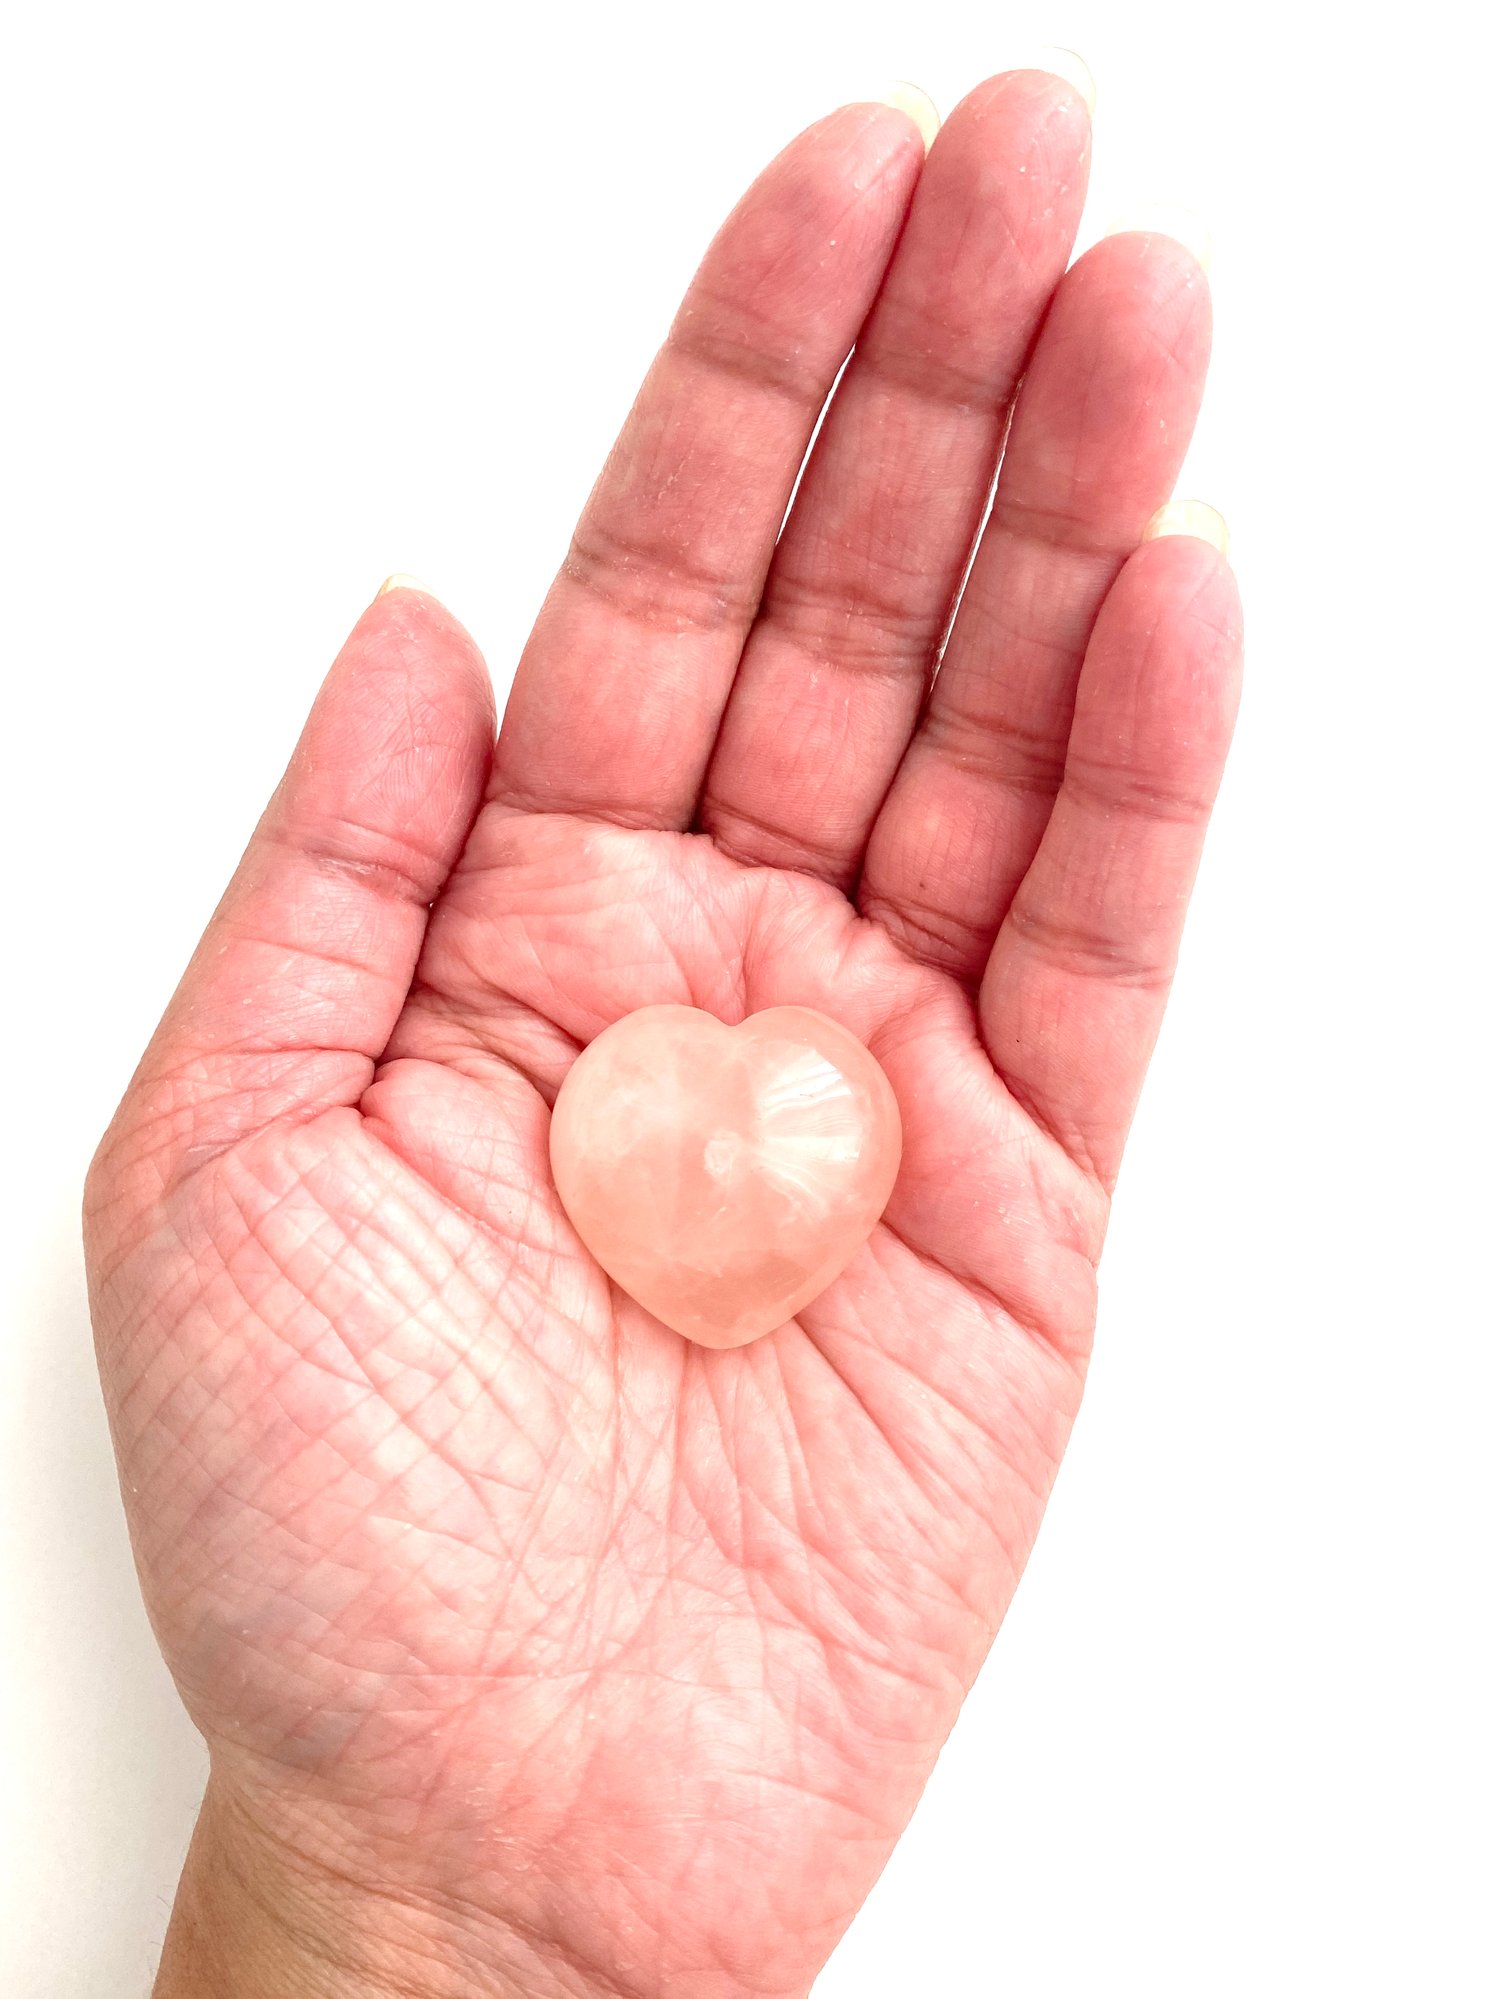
column 529, row 1640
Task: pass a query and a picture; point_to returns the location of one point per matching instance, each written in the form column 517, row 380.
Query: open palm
column 604, row 1661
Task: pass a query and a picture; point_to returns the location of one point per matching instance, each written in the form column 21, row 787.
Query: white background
column 299, row 295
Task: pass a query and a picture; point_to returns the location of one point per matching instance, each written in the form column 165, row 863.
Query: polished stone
column 724, row 1176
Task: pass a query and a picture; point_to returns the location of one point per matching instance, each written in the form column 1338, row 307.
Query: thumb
column 305, row 965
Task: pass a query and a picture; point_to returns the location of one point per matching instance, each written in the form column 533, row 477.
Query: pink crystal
column 724, row 1176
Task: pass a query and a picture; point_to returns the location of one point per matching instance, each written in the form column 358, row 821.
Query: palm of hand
column 469, row 1569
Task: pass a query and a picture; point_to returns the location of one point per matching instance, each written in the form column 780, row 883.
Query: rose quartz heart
column 724, row 1176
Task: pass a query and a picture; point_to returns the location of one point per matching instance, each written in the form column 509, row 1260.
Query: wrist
column 255, row 1920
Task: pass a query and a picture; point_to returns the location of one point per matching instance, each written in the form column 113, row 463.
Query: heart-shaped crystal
column 724, row 1176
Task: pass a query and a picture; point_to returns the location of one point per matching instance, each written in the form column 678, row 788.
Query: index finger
column 617, row 699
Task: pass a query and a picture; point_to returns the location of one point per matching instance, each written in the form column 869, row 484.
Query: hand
column 536, row 1649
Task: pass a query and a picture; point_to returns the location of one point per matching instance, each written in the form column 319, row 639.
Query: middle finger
column 870, row 561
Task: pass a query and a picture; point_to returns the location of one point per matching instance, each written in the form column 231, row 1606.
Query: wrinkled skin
column 570, row 1648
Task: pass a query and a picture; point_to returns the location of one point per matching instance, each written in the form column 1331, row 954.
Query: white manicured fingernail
column 917, row 105
column 400, row 582
column 1194, row 517
column 1181, row 224
column 1070, row 66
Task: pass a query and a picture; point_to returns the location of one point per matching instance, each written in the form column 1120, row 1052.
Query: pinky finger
column 1077, row 982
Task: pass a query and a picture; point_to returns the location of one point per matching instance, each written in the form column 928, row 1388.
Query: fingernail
column 1070, row 66
column 1181, row 224
column 400, row 582
column 1194, row 517
column 917, row 105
